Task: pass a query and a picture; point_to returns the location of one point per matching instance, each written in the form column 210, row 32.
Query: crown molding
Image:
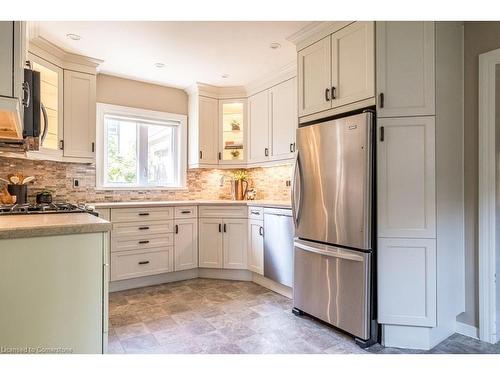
column 273, row 78
column 217, row 92
column 315, row 31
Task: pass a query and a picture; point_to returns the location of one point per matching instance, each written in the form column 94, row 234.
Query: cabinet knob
column 266, row 151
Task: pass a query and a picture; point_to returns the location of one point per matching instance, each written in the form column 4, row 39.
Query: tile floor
column 220, row 316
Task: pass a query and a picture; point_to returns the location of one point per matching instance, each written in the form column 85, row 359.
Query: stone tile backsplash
column 270, row 182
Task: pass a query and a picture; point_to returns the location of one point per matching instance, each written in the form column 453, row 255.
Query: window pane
column 160, row 155
column 121, row 156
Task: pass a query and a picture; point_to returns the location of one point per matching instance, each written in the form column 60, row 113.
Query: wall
column 129, row 93
column 201, row 184
column 479, row 37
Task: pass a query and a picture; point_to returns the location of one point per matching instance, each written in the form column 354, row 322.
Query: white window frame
column 104, row 109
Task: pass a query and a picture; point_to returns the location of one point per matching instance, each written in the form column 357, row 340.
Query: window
column 140, row 148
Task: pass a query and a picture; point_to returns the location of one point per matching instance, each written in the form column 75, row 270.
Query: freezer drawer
column 333, row 285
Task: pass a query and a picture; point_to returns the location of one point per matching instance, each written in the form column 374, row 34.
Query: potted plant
column 240, row 185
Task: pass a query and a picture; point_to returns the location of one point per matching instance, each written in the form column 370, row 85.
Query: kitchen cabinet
column 315, row 76
column 337, row 70
column 232, row 131
column 256, row 246
column 407, row 287
column 405, row 69
column 406, row 177
column 186, row 244
column 79, row 114
column 258, row 129
column 234, row 243
column 283, row 119
column 203, row 131
column 210, row 245
column 353, row 64
column 12, row 59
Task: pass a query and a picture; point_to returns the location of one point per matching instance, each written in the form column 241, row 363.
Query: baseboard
column 162, row 278
column 467, row 330
column 216, row 273
column 272, row 285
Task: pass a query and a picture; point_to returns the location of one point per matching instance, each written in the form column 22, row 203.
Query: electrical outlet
column 288, row 183
column 76, row 183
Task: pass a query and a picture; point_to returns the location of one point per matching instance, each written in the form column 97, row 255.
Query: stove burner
column 29, row 208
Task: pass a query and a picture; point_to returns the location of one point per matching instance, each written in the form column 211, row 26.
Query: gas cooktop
column 44, row 208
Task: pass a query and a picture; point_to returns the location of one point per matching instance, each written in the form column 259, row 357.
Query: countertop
column 21, row 226
column 257, row 203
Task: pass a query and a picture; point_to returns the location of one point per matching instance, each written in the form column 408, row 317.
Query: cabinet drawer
column 142, row 229
column 130, row 264
column 145, row 242
column 185, row 212
column 141, row 214
column 224, row 211
column 256, row 213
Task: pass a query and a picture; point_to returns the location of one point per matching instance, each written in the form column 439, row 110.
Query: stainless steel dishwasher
column 278, row 245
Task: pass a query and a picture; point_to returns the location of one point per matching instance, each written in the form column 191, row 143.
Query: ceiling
column 191, row 51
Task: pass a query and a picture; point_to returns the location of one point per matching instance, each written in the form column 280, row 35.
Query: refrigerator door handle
column 296, row 189
column 335, row 252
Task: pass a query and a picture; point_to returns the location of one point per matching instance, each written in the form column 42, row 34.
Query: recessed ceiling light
column 274, row 45
column 225, row 76
column 74, row 36
column 159, row 65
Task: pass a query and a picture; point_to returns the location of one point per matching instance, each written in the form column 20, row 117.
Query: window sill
column 139, row 188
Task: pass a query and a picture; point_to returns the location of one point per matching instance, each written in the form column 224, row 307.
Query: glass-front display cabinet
column 233, row 131
column 51, row 96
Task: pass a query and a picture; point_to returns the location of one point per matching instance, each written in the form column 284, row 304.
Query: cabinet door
column 186, row 244
column 284, row 119
column 232, row 128
column 314, row 77
column 235, row 243
column 6, row 58
column 407, row 281
column 210, row 248
column 353, row 64
column 258, row 129
column 208, row 128
column 406, row 177
column 256, row 246
column 405, row 69
column 79, row 114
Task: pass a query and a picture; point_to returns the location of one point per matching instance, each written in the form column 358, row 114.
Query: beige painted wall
column 479, row 37
column 126, row 92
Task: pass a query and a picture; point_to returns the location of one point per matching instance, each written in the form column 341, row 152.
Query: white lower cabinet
column 407, row 281
column 186, row 244
column 256, row 246
column 210, row 248
column 235, row 243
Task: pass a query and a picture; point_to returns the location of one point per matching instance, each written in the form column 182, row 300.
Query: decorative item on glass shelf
column 240, row 185
column 235, row 125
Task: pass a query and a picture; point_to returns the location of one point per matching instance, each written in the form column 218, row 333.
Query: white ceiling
column 191, row 51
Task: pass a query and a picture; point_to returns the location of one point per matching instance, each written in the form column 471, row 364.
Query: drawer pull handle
column 261, row 231
column 143, row 213
column 255, row 212
column 143, row 228
column 176, row 228
column 144, row 262
column 186, row 212
column 144, row 242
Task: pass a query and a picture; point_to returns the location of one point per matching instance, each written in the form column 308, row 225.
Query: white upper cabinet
column 405, row 69
column 210, row 243
column 407, row 284
column 79, row 114
column 406, row 177
column 203, row 131
column 6, row 58
column 314, row 75
column 186, row 244
column 284, row 119
column 235, row 243
column 353, row 64
column 255, row 246
column 258, row 130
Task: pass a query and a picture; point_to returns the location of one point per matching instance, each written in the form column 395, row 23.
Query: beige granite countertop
column 19, row 226
column 258, row 203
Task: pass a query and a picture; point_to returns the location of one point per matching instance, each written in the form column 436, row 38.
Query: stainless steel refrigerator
column 332, row 201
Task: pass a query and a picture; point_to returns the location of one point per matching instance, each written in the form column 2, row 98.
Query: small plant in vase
column 235, row 154
column 240, row 185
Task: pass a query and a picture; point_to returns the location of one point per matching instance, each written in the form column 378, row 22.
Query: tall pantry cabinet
column 419, row 181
